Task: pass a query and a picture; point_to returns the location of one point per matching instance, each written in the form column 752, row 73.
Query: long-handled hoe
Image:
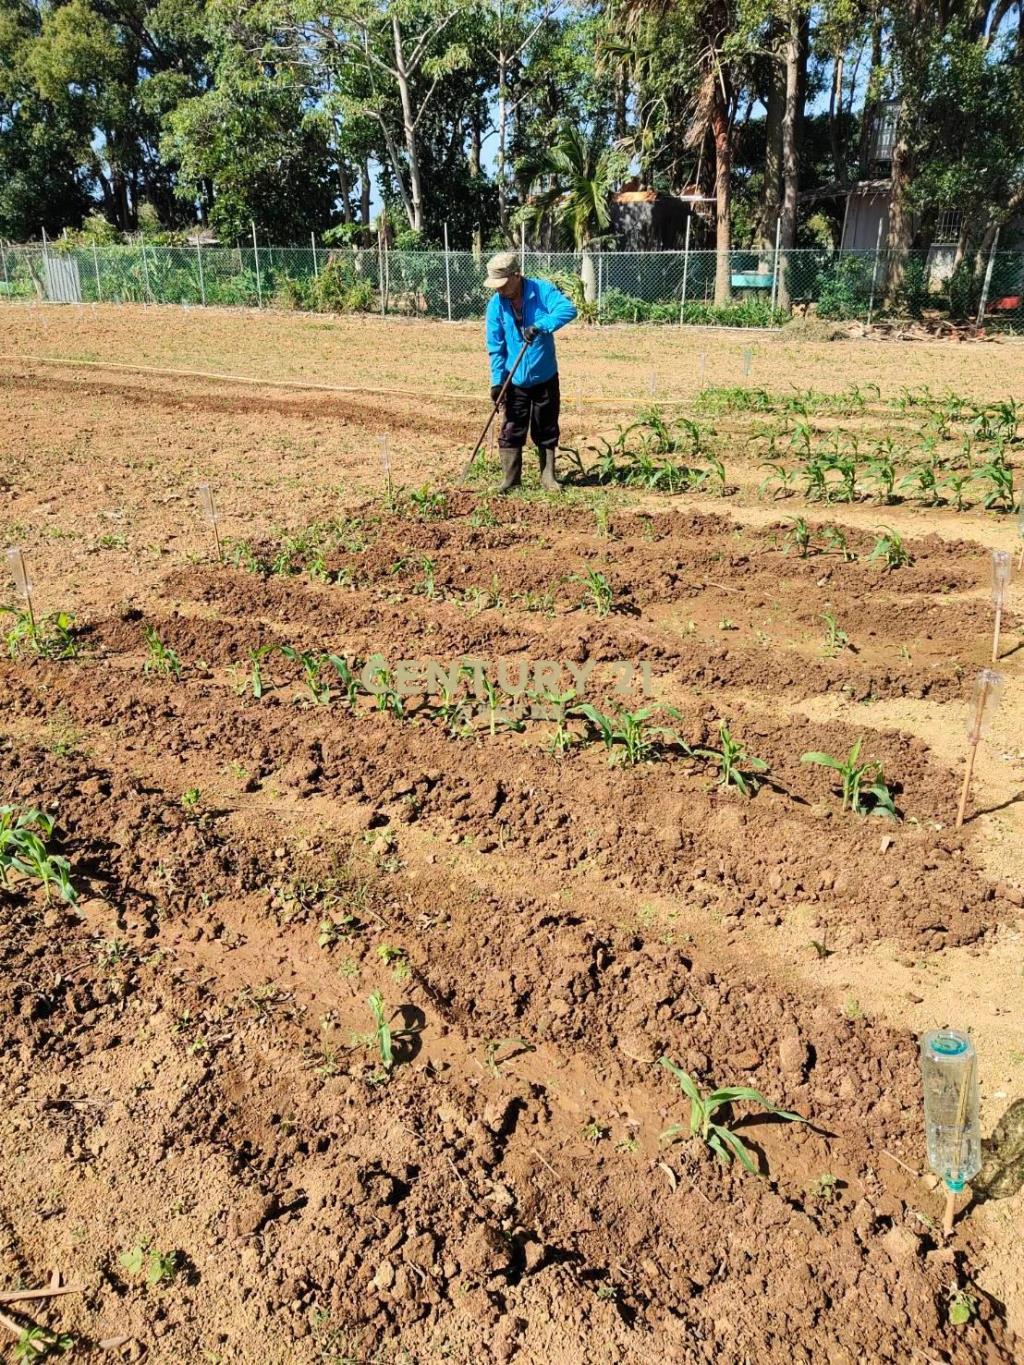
column 497, row 404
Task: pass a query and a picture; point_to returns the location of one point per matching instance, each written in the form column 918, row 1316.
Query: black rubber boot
column 547, row 470
column 511, row 468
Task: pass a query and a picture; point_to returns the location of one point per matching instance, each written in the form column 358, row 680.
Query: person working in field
column 525, row 311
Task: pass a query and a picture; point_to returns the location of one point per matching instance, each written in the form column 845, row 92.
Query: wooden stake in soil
column 16, row 564
column 983, row 707
column 210, row 513
column 1002, row 567
column 949, row 1213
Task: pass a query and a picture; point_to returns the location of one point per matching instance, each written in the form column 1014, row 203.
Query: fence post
column 202, row 281
column 522, row 248
column 447, row 273
column 600, row 283
column 686, row 266
column 256, row 251
column 96, row 268
column 775, row 271
column 988, row 279
column 380, row 269
column 3, row 257
column 316, row 272
column 874, row 269
column 145, row 271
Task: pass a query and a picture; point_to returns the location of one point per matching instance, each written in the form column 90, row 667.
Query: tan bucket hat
column 502, row 268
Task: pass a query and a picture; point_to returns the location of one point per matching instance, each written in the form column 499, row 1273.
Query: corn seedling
column 24, row 835
column 383, row 690
column 626, row 734
column 595, row 1130
column 160, row 658
column 453, row 710
column 835, row 639
column 495, row 707
column 736, row 767
column 598, row 590
column 382, row 1037
column 256, row 682
column 349, row 681
column 882, row 471
column 778, row 481
column 428, row 505
column 799, row 536
column 957, row 483
column 51, row 637
column 160, row 1266
column 834, row 538
column 429, row 568
column 862, row 785
column 719, row 1137
column 997, row 477
column 922, row 481
column 310, row 664
column 890, row 549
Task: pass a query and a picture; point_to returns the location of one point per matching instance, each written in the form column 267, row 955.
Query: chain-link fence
column 608, row 287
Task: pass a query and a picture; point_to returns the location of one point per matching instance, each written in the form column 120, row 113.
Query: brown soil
column 186, row 1062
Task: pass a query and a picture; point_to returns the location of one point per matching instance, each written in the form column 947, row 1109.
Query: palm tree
column 711, row 42
column 581, row 171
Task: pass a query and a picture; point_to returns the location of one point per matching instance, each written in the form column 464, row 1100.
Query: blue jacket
column 545, row 307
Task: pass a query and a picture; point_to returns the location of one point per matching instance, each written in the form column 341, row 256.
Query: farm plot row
column 545, row 894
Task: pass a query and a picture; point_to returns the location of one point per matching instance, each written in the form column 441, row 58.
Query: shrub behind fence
column 660, row 286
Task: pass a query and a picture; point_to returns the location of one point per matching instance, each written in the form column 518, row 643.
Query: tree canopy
column 486, row 114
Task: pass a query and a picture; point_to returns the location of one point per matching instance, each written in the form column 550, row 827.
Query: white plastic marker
column 1002, row 568
column 210, row 513
column 983, row 707
column 16, row 564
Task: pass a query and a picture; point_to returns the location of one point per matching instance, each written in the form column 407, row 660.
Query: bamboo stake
column 995, row 636
column 19, row 573
column 206, row 498
column 967, row 785
column 986, row 681
column 949, row 1212
column 385, row 455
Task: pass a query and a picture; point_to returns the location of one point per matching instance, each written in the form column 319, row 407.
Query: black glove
column 496, row 392
column 530, row 332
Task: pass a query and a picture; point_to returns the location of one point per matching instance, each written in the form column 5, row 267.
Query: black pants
column 534, row 410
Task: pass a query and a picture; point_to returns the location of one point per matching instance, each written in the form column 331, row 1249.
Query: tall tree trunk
column 500, row 170
column 364, row 194
column 870, row 105
column 346, row 189
column 791, row 120
column 723, row 198
column 620, row 102
column 835, row 116
column 475, row 141
column 901, row 216
column 771, row 194
column 415, row 198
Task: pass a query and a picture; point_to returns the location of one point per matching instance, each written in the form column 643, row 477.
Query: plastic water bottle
column 949, row 1068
